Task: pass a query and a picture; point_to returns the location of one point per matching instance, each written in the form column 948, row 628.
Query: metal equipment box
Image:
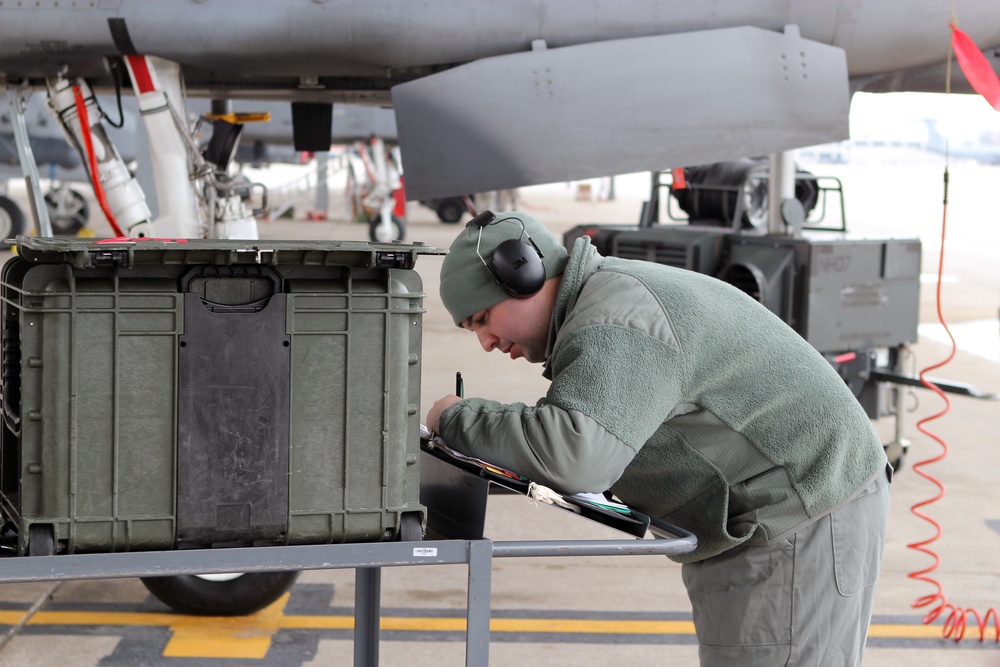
column 839, row 293
column 183, row 394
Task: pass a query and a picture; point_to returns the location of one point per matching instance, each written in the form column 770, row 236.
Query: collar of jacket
column 583, row 262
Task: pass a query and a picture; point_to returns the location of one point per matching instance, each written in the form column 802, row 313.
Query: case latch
column 393, row 260
column 109, row 258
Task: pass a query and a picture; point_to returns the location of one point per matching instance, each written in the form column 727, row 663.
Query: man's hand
column 440, row 405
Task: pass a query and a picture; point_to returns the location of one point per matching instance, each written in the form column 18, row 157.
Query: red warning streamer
column 975, row 67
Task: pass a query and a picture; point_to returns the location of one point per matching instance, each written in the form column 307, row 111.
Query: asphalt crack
column 34, row 609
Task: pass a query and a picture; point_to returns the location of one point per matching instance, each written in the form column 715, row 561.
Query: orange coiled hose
column 957, row 619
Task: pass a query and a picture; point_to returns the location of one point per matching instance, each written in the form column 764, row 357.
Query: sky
column 900, row 116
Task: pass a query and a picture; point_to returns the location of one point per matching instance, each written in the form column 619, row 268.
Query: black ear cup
column 518, row 268
column 515, row 265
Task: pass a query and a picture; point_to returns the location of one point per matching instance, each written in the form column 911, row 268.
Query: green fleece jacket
column 687, row 399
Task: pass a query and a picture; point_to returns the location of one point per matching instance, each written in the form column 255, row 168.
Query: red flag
column 975, row 67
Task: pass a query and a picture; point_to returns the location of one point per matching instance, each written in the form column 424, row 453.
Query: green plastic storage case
column 162, row 394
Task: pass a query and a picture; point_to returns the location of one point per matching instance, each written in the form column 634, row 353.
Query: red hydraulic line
column 81, row 111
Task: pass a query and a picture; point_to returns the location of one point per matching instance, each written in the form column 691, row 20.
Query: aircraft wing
column 622, row 86
column 619, row 106
column 925, row 79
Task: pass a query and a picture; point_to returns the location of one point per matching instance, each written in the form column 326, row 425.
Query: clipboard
column 456, row 503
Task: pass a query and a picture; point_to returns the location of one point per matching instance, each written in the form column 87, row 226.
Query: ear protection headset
column 516, row 264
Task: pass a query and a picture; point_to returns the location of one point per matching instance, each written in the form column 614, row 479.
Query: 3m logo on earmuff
column 516, row 265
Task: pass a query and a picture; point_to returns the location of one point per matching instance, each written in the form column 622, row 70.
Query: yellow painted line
column 592, row 626
column 527, row 625
column 267, row 621
column 101, row 618
column 925, row 632
column 201, row 639
column 400, row 623
column 418, row 624
column 226, row 637
column 11, row 617
column 319, row 622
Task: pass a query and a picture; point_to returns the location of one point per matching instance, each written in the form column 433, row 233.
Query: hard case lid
column 128, row 252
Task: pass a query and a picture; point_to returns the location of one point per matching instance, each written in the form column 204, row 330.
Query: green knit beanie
column 467, row 286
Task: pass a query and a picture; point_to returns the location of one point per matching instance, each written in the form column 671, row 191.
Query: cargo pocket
column 743, row 598
column 858, row 529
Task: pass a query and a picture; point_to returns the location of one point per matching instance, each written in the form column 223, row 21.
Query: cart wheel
column 410, row 529
column 377, row 234
column 209, row 595
column 450, row 210
column 41, row 539
column 11, row 221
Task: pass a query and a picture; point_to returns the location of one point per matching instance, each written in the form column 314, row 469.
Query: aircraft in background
column 983, row 147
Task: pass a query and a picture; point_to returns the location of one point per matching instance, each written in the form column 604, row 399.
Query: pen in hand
column 459, row 385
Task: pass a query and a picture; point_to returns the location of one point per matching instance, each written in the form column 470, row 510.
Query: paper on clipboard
column 601, row 501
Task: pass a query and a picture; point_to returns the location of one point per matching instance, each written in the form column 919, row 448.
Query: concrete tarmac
column 622, row 611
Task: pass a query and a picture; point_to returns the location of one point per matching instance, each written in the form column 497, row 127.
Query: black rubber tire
column 11, row 221
column 246, row 594
column 450, row 210
column 74, row 215
column 398, row 229
column 41, row 539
